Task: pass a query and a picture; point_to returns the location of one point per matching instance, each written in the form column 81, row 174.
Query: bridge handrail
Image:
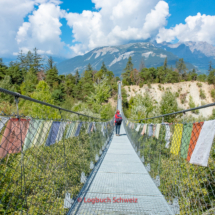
column 18, row 95
column 178, row 112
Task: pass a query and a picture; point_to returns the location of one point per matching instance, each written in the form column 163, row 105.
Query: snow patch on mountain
column 104, row 51
column 89, row 57
column 121, row 57
column 147, row 54
column 163, row 56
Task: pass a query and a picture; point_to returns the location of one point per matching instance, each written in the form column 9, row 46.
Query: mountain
column 197, row 53
column 116, row 57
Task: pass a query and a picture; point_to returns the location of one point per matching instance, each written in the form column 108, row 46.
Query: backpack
column 119, row 119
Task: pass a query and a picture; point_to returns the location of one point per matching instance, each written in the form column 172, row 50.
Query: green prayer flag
column 185, row 142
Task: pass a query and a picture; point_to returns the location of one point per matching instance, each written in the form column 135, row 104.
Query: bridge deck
column 121, row 174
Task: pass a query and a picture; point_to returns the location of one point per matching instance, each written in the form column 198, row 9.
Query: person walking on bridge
column 118, row 121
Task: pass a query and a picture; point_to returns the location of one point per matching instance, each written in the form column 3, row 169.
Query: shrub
column 176, row 94
column 141, row 84
column 213, row 94
column 183, row 98
column 168, row 104
column 149, row 85
column 199, row 84
column 192, row 105
column 202, row 94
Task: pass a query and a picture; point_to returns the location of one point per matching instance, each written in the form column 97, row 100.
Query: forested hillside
column 30, row 75
column 154, row 91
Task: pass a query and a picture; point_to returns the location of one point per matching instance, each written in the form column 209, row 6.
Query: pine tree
column 16, row 73
column 77, row 77
column 50, row 63
column 21, row 60
column 181, row 66
column 127, row 74
column 104, row 68
column 210, row 66
column 6, row 84
column 3, row 69
column 165, row 64
column 129, row 65
column 29, row 60
column 30, row 82
column 37, row 61
column 89, row 67
column 142, row 65
column 87, row 82
column 52, row 76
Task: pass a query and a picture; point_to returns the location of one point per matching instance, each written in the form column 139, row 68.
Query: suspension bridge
column 80, row 167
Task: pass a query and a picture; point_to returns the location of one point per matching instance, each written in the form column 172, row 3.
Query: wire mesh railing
column 180, row 158
column 44, row 163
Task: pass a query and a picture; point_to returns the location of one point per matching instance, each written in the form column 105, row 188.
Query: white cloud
column 196, row 28
column 116, row 22
column 12, row 13
column 42, row 30
column 15, row 33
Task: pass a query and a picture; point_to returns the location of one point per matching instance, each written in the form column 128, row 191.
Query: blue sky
column 68, row 28
column 179, row 10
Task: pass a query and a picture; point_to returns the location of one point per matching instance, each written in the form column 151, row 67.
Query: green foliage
column 177, row 95
column 29, row 85
column 192, row 105
column 168, row 104
column 202, row 78
column 104, row 68
column 181, row 66
column 6, row 84
column 127, row 74
column 107, row 111
column 211, row 77
column 43, row 93
column 124, row 98
column 191, row 184
column 49, row 172
column 199, row 84
column 3, row 69
column 192, row 75
column 99, row 96
column 141, row 107
column 16, row 73
column 52, row 76
column 202, row 94
column 213, row 94
column 165, row 64
column 210, row 66
column 183, row 97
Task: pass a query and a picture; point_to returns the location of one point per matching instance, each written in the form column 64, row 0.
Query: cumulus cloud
column 14, row 34
column 116, row 22
column 12, row 13
column 196, row 28
column 113, row 23
column 42, row 30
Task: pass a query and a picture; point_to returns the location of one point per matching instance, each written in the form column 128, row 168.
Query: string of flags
column 192, row 141
column 17, row 133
